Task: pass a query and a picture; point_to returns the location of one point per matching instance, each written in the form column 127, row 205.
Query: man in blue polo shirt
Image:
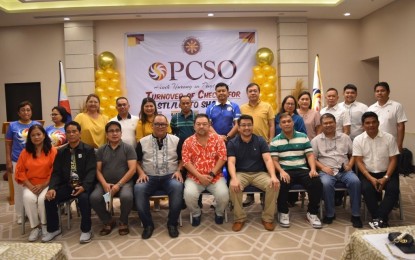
column 223, row 113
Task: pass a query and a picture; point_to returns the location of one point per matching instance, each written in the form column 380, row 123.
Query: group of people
column 221, row 151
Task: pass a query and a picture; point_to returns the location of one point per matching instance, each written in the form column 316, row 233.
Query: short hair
column 92, row 96
column 252, row 85
column 23, row 104
column 201, row 115
column 119, row 98
column 184, row 96
column 63, row 113
column 350, row 86
column 309, row 95
column 47, row 143
column 368, row 115
column 161, row 115
column 245, row 117
column 327, row 115
column 383, row 84
column 285, row 114
column 110, row 123
column 74, row 123
column 332, row 89
column 222, row 84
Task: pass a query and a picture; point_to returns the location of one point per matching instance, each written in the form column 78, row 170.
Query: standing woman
column 147, row 113
column 33, row 171
column 311, row 117
column 289, row 105
column 15, row 143
column 56, row 132
column 92, row 123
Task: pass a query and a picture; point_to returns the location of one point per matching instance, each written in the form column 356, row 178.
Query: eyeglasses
column 54, row 114
column 246, row 125
column 114, row 131
column 160, row 125
column 122, row 105
column 290, row 104
column 202, row 124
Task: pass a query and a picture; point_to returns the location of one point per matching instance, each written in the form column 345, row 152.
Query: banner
column 165, row 65
column 317, row 87
column 63, row 92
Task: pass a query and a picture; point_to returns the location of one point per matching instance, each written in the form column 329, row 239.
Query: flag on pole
column 63, row 92
column 317, row 87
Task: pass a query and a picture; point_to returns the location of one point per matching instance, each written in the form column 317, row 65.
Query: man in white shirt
column 128, row 122
column 391, row 115
column 354, row 108
column 339, row 112
column 376, row 153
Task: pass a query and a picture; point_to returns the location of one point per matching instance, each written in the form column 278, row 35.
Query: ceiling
column 30, row 12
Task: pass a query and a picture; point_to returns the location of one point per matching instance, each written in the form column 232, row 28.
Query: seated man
column 116, row 164
column 248, row 162
column 158, row 168
column 376, row 156
column 291, row 150
column 204, row 154
column 332, row 151
column 74, row 160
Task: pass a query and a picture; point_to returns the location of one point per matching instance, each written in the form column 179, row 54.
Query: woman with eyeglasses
column 311, row 117
column 33, row 171
column 289, row 105
column 15, row 143
column 92, row 122
column 147, row 113
column 56, row 132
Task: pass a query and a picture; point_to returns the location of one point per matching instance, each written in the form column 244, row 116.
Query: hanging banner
column 165, row 65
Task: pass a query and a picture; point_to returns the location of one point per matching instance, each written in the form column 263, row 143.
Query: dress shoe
column 147, row 232
column 173, row 232
column 329, row 220
column 196, row 221
column 268, row 225
column 356, row 221
column 237, row 226
column 218, row 219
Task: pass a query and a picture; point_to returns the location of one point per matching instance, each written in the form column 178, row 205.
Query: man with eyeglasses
column 74, row 158
column 204, row 155
column 158, row 168
column 332, row 151
column 116, row 165
column 127, row 121
column 250, row 163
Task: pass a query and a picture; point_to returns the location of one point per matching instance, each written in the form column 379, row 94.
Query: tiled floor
column 211, row 241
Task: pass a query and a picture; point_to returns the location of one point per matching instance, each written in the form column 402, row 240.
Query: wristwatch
column 120, row 184
column 386, row 177
column 212, row 174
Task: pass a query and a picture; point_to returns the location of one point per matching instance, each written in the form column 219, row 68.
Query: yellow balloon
column 259, row 79
column 271, row 79
column 99, row 91
column 101, row 82
column 257, row 70
column 99, row 73
column 116, row 74
column 114, row 82
column 106, row 60
column 271, row 97
column 109, row 73
column 105, row 101
column 264, row 56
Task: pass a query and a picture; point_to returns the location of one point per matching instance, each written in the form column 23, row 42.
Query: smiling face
column 304, row 102
column 245, row 127
column 160, row 125
column 37, row 137
column 114, row 134
column 329, row 126
column 123, row 107
column 289, row 106
column 350, row 96
column 201, row 126
column 253, row 93
column 92, row 105
column 56, row 116
column 73, row 136
column 149, row 109
column 371, row 126
column 222, row 94
column 25, row 113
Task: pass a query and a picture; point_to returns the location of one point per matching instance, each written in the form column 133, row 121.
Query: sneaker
column 50, row 236
column 35, row 234
column 86, row 237
column 248, row 201
column 329, row 220
column 44, row 230
column 196, row 221
column 218, row 219
column 378, row 223
column 19, row 220
column 284, row 220
column 313, row 220
column 356, row 221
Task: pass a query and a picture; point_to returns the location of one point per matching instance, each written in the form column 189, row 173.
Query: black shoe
column 378, row 223
column 329, row 220
column 199, row 202
column 147, row 232
column 173, row 232
column 248, row 201
column 218, row 219
column 196, row 221
column 356, row 221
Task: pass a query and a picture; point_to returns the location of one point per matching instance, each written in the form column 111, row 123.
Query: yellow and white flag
column 317, row 87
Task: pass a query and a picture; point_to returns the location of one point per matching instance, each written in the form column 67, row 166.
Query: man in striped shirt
column 291, row 150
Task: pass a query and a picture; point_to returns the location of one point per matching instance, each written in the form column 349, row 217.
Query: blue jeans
column 353, row 187
column 142, row 192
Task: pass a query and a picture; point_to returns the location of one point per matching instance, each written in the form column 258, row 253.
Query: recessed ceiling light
column 211, row 14
column 346, row 14
column 66, row 19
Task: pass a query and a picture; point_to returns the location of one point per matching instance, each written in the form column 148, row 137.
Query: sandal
column 107, row 228
column 123, row 229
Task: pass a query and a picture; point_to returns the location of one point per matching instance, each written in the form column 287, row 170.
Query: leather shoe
column 268, row 225
column 173, row 232
column 237, row 226
column 196, row 221
column 218, row 219
column 147, row 232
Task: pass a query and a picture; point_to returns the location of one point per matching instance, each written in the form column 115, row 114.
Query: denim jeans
column 173, row 188
column 353, row 187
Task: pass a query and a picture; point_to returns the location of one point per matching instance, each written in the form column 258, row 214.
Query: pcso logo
column 157, row 71
column 191, row 46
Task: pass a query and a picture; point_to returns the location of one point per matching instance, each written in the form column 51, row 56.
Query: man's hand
column 142, row 178
column 205, row 180
column 313, row 174
column 50, row 195
column 178, row 176
column 327, row 170
column 114, row 189
column 77, row 190
column 235, row 185
column 381, row 184
column 374, row 182
column 275, row 183
column 285, row 177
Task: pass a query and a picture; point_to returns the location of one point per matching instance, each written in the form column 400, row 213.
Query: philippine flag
column 63, row 92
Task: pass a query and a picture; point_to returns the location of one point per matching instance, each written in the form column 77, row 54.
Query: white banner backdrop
column 165, row 65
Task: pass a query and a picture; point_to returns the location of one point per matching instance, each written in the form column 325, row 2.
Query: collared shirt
column 376, row 151
column 17, row 133
column 390, row 114
column 299, row 125
column 223, row 116
column 332, row 152
column 341, row 115
column 261, row 113
column 204, row 158
column 183, row 126
column 355, row 110
column 292, row 152
column 248, row 155
column 128, row 127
